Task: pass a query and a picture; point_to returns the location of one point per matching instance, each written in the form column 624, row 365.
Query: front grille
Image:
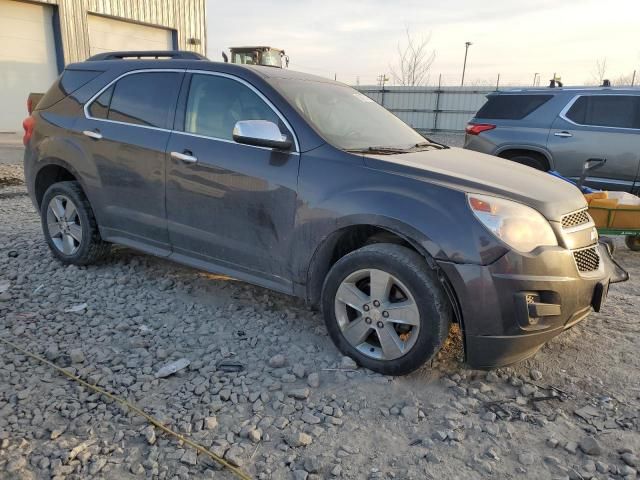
column 587, row 259
column 575, row 219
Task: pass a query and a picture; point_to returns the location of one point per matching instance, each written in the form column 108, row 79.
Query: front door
column 599, row 126
column 230, row 204
column 126, row 132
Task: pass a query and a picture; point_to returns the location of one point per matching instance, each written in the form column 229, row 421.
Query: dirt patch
column 11, row 175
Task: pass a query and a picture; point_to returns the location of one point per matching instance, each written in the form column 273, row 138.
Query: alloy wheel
column 377, row 314
column 63, row 223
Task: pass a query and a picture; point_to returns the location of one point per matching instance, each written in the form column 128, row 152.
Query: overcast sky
column 516, row 38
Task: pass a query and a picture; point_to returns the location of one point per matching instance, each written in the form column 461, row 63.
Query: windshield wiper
column 439, row 146
column 382, row 150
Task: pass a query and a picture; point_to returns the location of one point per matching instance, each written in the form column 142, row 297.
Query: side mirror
column 260, row 133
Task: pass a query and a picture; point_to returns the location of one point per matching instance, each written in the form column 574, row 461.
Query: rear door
column 603, row 126
column 126, row 130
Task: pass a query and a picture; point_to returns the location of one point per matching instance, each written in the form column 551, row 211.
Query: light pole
column 464, row 65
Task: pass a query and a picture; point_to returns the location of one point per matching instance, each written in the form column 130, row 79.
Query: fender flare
column 324, row 248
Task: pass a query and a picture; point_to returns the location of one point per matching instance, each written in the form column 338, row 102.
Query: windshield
column 346, row 118
column 271, row 58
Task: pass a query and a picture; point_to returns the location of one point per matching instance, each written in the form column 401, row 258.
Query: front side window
column 142, row 99
column 621, row 111
column 216, row 103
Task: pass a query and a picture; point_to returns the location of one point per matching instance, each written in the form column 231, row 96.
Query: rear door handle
column 184, row 157
column 563, row 134
column 92, row 134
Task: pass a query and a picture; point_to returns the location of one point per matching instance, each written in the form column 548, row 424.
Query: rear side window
column 511, row 107
column 141, row 99
column 618, row 111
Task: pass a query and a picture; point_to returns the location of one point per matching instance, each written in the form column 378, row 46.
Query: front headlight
column 517, row 225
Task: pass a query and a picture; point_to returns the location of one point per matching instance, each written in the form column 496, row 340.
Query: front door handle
column 184, row 157
column 563, row 134
column 92, row 134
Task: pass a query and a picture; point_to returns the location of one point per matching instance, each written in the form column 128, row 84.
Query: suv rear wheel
column 385, row 308
column 69, row 225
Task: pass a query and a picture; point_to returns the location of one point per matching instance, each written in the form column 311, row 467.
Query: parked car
column 561, row 128
column 304, row 186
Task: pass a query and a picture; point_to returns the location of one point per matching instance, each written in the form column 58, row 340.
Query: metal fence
column 431, row 109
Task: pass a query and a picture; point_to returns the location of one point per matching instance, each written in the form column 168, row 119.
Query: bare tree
column 600, row 70
column 623, row 80
column 414, row 61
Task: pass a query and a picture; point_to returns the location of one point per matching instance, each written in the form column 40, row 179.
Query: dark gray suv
column 305, row 186
column 561, row 128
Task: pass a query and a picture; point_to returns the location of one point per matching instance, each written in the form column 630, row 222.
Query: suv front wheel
column 69, row 225
column 385, row 308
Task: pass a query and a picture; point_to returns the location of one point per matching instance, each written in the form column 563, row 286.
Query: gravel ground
column 296, row 409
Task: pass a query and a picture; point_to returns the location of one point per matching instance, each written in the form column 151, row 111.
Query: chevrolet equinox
column 303, row 185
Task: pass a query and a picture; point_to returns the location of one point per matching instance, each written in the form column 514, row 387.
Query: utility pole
column 633, row 78
column 382, row 79
column 464, row 65
column 535, row 77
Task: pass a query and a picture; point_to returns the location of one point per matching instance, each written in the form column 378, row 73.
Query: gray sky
column 514, row 38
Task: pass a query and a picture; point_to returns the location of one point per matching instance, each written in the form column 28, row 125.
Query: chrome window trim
column 171, row 130
column 254, row 90
column 108, row 85
column 563, row 112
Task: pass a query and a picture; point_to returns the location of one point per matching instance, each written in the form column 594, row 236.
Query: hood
column 474, row 172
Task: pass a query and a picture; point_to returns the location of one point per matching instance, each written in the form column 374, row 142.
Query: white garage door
column 27, row 58
column 108, row 35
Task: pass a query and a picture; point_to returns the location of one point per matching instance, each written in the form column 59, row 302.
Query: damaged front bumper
column 510, row 308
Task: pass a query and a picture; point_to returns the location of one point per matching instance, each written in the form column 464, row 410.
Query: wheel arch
column 50, row 171
column 505, row 150
column 354, row 235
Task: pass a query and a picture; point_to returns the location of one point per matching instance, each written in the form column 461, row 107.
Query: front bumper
column 510, row 308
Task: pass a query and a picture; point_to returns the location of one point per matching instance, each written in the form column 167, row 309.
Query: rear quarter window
column 511, row 107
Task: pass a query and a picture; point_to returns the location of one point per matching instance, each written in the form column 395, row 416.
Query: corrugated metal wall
column 187, row 17
column 431, row 109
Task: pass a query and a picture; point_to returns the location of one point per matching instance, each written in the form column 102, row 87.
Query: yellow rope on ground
column 235, row 470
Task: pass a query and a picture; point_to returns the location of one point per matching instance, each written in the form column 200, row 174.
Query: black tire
column 91, row 248
column 435, row 311
column 530, row 159
column 633, row 242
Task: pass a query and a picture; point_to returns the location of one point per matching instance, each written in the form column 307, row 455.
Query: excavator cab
column 268, row 56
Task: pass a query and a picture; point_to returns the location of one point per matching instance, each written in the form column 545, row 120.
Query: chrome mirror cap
column 260, row 133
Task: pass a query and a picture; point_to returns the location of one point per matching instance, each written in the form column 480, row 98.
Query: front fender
column 434, row 218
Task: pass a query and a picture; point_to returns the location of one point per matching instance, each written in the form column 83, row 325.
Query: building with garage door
column 37, row 39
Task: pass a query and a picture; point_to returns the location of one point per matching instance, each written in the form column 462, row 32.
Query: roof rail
column 143, row 54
